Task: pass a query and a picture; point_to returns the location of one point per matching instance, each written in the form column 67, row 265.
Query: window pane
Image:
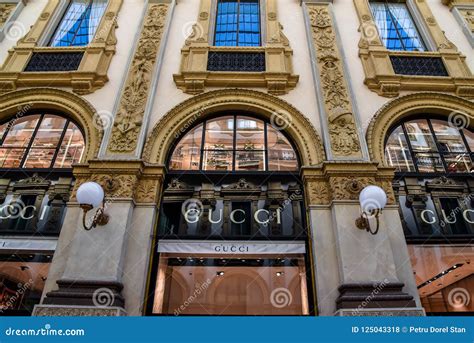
column 458, row 163
column 396, row 27
column 217, row 160
column 249, row 160
column 226, row 23
column 79, row 24
column 397, row 153
column 21, row 132
column 39, row 158
column 449, row 138
column 238, row 23
column 420, row 136
column 49, row 133
column 429, row 163
column 220, row 134
column 250, row 134
column 187, row 153
column 10, row 157
column 281, row 155
column 469, row 138
column 72, row 148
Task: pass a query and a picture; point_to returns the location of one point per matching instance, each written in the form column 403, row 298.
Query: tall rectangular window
column 79, row 23
column 238, row 23
column 396, row 26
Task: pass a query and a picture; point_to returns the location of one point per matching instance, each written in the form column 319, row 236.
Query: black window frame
column 42, row 113
column 233, row 114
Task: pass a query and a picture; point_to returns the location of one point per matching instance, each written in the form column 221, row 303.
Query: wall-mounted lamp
column 372, row 201
column 91, row 195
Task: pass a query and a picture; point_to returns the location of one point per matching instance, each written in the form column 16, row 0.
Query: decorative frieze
column 336, row 98
column 128, row 121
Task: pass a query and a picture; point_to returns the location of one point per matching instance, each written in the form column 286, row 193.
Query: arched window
column 40, row 141
column 430, row 146
column 234, row 143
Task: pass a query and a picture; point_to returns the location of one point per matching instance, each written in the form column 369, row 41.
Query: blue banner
column 237, row 329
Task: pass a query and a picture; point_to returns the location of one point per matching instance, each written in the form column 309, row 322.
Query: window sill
column 83, row 77
column 382, row 79
column 277, row 76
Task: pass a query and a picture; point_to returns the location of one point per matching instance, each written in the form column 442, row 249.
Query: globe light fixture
column 373, row 200
column 91, row 195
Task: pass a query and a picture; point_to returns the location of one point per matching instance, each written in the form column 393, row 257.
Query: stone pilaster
column 368, row 271
column 137, row 90
column 343, row 138
column 93, row 268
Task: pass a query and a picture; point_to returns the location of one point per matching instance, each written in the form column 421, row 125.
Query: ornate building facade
column 232, row 140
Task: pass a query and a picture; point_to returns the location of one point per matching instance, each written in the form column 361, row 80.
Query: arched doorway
column 233, row 206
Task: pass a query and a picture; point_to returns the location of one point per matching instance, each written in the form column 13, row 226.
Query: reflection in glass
column 241, row 148
column 217, row 160
column 230, row 285
column 45, row 140
column 187, row 153
column 20, row 132
column 71, row 149
column 432, row 146
column 420, row 136
column 281, row 155
column 397, row 153
column 79, row 23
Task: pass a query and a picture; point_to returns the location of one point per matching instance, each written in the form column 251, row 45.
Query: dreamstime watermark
column 102, row 120
column 459, row 297
column 188, row 124
column 280, row 120
column 197, row 292
column 452, row 217
column 14, row 30
column 192, row 210
column 281, row 297
column 459, row 120
column 45, row 331
column 370, row 297
column 192, row 30
column 22, row 289
column 103, row 297
column 369, row 31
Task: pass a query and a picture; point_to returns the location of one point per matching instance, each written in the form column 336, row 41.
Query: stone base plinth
column 77, row 311
column 382, row 312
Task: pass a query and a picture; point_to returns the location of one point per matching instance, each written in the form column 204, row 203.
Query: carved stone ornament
column 348, row 188
column 241, row 185
column 128, row 121
column 318, row 193
column 115, row 186
column 146, row 191
column 5, row 10
column 337, row 102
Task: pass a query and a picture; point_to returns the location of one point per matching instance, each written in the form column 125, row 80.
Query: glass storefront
column 22, row 279
column 445, row 277
column 231, row 284
column 231, row 232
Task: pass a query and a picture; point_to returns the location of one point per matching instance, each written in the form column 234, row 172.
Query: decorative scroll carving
column 147, row 191
column 348, row 188
column 128, row 121
column 318, row 193
column 337, row 102
column 5, row 11
column 115, row 186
